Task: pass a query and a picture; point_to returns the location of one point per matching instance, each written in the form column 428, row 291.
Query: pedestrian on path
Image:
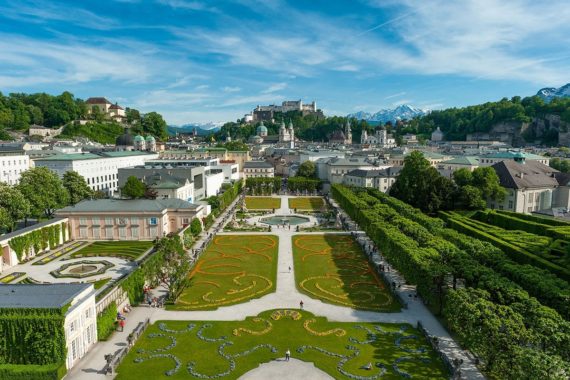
column 122, row 324
column 287, row 355
column 289, row 269
column 301, row 304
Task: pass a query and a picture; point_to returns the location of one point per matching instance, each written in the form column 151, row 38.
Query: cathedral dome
column 126, row 139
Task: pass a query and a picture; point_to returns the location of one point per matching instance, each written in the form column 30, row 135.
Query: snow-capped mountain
column 550, row 93
column 404, row 111
column 203, row 129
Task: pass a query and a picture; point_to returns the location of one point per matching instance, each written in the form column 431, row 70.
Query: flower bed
column 102, row 266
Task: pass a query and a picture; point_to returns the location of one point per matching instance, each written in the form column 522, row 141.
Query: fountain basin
column 292, row 220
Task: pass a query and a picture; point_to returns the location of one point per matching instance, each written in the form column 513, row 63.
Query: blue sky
column 199, row 61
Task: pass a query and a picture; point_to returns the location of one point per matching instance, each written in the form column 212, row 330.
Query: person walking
column 289, row 269
column 287, row 355
column 301, row 304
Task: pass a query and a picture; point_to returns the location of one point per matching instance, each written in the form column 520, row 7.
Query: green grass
column 307, row 203
column 333, row 268
column 198, row 345
column 234, row 269
column 262, row 203
column 100, row 283
column 129, row 250
column 11, row 277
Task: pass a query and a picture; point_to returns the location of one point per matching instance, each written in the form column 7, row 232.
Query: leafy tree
column 6, row 222
column 471, row 198
column 195, row 227
column 307, row 169
column 14, row 205
column 214, row 202
column 487, row 180
column 133, row 116
column 173, row 273
column 44, row 190
column 133, row 188
column 463, row 177
column 420, row 185
column 154, row 124
column 76, row 187
column 234, row 145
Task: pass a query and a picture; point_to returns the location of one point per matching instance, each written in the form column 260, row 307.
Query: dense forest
column 456, row 123
column 18, row 111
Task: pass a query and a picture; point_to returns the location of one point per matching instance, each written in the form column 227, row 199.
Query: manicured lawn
column 233, row 269
column 333, row 268
column 262, row 203
column 204, row 349
column 307, row 203
column 129, row 250
column 100, row 283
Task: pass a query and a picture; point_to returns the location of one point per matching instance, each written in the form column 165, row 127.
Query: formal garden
column 129, row 250
column 234, row 269
column 211, row 349
column 262, row 203
column 333, row 268
column 307, row 203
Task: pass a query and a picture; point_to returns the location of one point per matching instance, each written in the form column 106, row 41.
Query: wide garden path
column 287, row 296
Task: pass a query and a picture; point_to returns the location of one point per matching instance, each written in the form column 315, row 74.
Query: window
column 95, row 221
column 529, row 210
column 83, row 232
column 96, row 232
column 153, row 221
column 135, row 232
column 109, row 221
column 134, row 220
column 83, row 221
column 511, row 205
column 122, row 232
column 500, row 207
column 74, row 349
column 537, row 197
column 109, row 232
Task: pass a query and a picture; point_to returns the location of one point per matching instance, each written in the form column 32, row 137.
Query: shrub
column 106, row 322
column 32, row 372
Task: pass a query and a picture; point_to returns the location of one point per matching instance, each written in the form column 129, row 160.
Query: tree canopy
column 133, row 188
column 44, row 190
column 76, row 186
column 307, row 169
column 13, row 206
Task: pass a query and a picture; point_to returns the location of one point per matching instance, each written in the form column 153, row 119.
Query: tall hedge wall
column 32, row 336
column 106, row 322
column 32, row 372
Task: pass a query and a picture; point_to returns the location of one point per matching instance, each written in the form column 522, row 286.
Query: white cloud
column 38, row 11
column 395, row 95
column 189, row 5
column 274, row 88
column 231, row 89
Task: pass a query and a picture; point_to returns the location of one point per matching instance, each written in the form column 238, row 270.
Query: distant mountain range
column 203, row 129
column 401, row 112
column 550, row 93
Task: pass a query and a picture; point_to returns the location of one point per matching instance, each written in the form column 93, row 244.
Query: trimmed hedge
column 32, row 372
column 32, row 336
column 106, row 322
column 518, row 254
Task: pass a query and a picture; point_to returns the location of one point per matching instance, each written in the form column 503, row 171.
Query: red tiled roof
column 115, row 107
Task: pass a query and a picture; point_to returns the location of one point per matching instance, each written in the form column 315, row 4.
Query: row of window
column 95, row 221
column 109, row 233
column 16, row 162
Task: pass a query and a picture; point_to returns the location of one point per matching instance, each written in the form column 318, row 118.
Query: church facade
column 380, row 138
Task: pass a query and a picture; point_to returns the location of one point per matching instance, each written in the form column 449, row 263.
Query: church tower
column 291, row 135
column 364, row 137
column 348, row 133
column 282, row 132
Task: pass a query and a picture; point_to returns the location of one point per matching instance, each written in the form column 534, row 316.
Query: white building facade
column 99, row 170
column 12, row 164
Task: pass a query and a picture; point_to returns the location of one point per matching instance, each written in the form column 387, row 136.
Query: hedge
column 536, row 219
column 425, row 259
column 32, row 372
column 32, row 336
column 518, row 254
column 106, row 322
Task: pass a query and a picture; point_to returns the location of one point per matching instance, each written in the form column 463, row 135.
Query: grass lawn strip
column 60, row 252
column 11, row 277
column 262, row 203
column 307, row 203
column 208, row 350
column 129, row 250
column 233, row 269
column 333, row 268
